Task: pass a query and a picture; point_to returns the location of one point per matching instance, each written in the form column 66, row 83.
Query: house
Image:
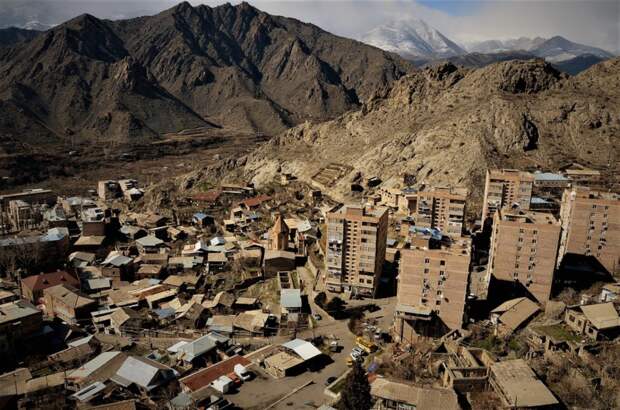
column 185, row 263
column 65, row 302
column 389, row 395
column 149, row 244
column 210, row 197
column 19, row 321
column 149, row 271
column 194, row 317
column 92, row 244
column 222, row 324
column 291, row 358
column 253, row 322
column 125, row 319
column 290, row 300
column 81, row 259
column 222, row 302
column 610, row 292
column 33, row 286
column 156, row 299
column 99, row 369
column 217, row 261
column 255, row 202
column 118, row 266
column 598, row 322
column 513, row 314
column 204, row 377
column 132, row 232
column 518, row 387
column 146, row 374
column 465, row 369
column 199, row 350
column 7, row 296
column 276, row 261
column 202, row 220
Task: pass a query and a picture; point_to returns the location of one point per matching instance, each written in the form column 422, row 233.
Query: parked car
column 317, row 316
column 330, row 380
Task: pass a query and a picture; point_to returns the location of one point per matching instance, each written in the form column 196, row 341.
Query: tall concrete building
column 506, row 188
column 442, row 208
column 591, row 226
column 356, row 242
column 524, row 247
column 432, row 284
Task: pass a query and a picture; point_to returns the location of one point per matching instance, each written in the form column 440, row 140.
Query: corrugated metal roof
column 305, row 350
column 290, row 298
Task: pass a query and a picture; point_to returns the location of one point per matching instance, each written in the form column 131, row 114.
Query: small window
column 427, row 260
column 442, row 263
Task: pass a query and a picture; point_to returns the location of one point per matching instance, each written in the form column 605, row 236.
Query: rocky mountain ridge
column 447, row 125
column 234, row 66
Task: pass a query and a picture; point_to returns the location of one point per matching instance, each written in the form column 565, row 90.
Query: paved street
column 263, row 392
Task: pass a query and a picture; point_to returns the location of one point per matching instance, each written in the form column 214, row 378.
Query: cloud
column 593, row 22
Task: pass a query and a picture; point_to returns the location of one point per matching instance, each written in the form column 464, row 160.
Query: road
column 306, row 390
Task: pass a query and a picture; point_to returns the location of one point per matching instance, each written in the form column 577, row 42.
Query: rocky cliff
column 447, row 125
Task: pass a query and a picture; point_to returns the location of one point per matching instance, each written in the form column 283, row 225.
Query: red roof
column 204, row 377
column 256, row 201
column 209, row 196
column 47, row 280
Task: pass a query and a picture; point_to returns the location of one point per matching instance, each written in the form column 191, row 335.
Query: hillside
column 447, row 125
column 187, row 67
column 13, row 35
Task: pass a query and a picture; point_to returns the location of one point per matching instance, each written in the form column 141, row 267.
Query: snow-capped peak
column 412, row 38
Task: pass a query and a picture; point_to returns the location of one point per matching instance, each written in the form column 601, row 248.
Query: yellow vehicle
column 365, row 344
column 349, row 361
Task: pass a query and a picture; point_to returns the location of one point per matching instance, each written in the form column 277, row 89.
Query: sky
column 592, row 22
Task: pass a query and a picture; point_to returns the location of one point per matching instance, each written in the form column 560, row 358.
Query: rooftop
column 17, row 310
column 520, row 384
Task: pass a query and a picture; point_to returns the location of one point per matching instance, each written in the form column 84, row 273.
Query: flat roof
column 520, row 384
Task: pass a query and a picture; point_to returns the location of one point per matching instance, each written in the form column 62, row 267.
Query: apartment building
column 506, row 188
column 356, row 242
column 432, row 283
column 524, row 248
column 441, row 208
column 591, row 226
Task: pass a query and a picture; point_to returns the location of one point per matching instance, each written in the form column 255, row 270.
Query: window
column 427, row 260
column 426, row 270
column 442, row 263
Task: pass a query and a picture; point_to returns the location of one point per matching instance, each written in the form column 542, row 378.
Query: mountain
column 499, row 46
column 412, row 39
column 187, row 67
column 479, row 60
column 448, row 125
column 560, row 49
column 578, row 64
column 13, row 35
column 554, row 49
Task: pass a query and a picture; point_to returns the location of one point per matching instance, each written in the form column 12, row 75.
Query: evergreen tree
column 355, row 394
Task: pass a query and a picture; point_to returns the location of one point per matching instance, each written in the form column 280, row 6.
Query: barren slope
column 448, row 125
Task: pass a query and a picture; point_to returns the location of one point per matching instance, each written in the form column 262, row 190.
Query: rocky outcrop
column 447, row 125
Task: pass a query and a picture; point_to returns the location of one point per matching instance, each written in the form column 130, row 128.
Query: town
column 281, row 297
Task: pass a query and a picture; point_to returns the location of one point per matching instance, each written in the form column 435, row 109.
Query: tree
column 355, row 394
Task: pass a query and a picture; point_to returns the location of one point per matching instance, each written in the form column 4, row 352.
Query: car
column 317, row 316
column 356, row 356
column 330, row 380
column 358, row 350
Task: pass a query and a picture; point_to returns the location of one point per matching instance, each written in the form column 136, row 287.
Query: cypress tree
column 355, row 394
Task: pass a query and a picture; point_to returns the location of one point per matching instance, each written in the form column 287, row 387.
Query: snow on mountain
column 554, row 49
column 36, row 25
column 412, row 38
column 499, row 46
